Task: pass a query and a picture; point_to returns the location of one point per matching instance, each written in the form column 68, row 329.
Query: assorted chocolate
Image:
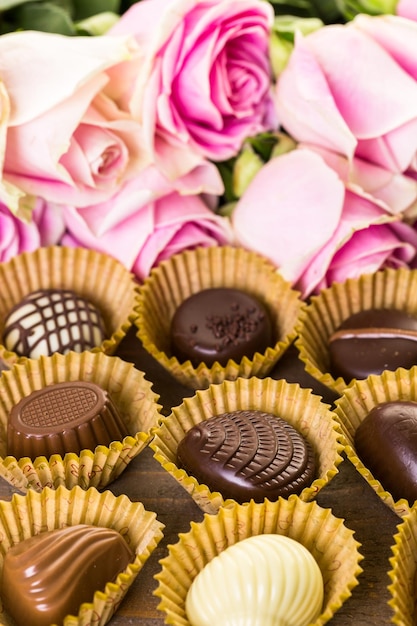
column 218, row 324
column 285, row 582
column 372, row 341
column 386, row 443
column 48, row 576
column 53, row 320
column 248, row 455
column 63, row 417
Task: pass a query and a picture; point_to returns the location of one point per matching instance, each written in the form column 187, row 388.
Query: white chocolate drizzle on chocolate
column 53, row 320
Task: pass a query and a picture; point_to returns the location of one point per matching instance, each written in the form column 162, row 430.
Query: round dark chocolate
column 64, row 417
column 248, row 455
column 372, row 341
column 53, row 320
column 49, row 575
column 220, row 324
column 386, row 443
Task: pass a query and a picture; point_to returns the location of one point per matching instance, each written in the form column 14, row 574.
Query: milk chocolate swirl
column 248, row 455
column 49, row 575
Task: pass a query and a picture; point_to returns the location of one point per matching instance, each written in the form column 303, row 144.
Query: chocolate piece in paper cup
column 99, row 279
column 325, row 536
column 394, row 289
column 354, row 406
column 34, row 513
column 192, row 272
column 403, row 571
column 130, row 394
column 300, row 408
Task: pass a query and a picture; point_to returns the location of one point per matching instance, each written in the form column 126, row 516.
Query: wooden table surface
column 348, row 495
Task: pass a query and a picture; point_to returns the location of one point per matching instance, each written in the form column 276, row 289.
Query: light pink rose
column 407, row 8
column 70, row 136
column 313, row 228
column 331, row 95
column 147, row 221
column 205, row 84
column 45, row 228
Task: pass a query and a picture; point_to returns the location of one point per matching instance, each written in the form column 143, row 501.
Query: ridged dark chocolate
column 220, row 324
column 53, row 320
column 65, row 417
column 248, row 455
column 372, row 341
column 49, row 576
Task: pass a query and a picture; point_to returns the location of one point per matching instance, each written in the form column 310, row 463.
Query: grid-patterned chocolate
column 53, row 320
column 58, row 406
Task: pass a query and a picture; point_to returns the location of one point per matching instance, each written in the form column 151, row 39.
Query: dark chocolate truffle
column 53, row 320
column 372, row 341
column 50, row 575
column 386, row 443
column 64, row 417
column 220, row 324
column 248, row 455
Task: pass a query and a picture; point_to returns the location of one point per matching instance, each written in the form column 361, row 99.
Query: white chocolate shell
column 265, row 580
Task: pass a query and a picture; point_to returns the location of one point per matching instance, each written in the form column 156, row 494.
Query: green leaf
column 87, row 8
column 350, row 8
column 97, row 24
column 44, row 16
column 5, row 5
column 325, row 10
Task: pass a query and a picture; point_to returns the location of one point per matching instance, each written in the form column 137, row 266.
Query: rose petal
column 290, row 210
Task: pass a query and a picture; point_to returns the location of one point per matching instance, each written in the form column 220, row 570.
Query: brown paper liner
column 354, row 405
column 323, row 534
column 33, row 513
column 100, row 278
column 300, row 407
column 403, row 572
column 390, row 288
column 184, row 274
column 127, row 387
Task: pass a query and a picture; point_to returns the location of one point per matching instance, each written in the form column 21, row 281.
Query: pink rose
column 407, row 8
column 205, row 84
column 70, row 137
column 45, row 228
column 313, row 228
column 147, row 221
column 331, row 95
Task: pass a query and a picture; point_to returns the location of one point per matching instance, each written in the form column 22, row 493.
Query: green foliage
column 56, row 16
column 350, row 8
column 327, row 11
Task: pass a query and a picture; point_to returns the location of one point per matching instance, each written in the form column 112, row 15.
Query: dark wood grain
column 348, row 495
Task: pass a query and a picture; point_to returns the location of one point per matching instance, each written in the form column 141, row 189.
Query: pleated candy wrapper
column 390, row 288
column 95, row 276
column 299, row 407
column 190, row 272
column 127, row 387
column 329, row 541
column 355, row 404
column 33, row 513
column 403, row 572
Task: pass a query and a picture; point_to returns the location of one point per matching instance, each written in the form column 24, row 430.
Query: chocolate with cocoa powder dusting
column 219, row 324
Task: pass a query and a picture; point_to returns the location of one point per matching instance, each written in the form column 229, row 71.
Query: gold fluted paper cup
column 355, row 404
column 403, row 572
column 98, row 277
column 390, row 288
column 299, row 407
column 187, row 273
column 126, row 386
column 28, row 515
column 330, row 542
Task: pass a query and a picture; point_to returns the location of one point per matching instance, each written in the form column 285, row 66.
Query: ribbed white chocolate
column 265, row 580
